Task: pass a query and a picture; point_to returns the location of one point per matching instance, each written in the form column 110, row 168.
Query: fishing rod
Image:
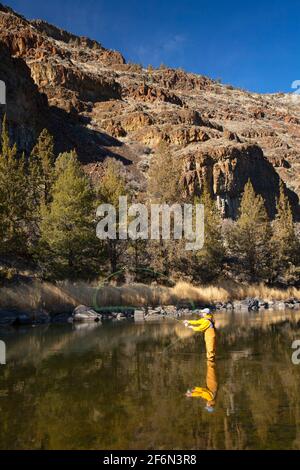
column 170, row 346
column 181, row 322
column 175, row 319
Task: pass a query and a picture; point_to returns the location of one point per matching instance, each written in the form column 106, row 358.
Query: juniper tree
column 249, row 238
column 164, row 177
column 41, row 169
column 68, row 246
column 14, row 209
column 285, row 244
column 164, row 187
column 210, row 258
column 110, row 188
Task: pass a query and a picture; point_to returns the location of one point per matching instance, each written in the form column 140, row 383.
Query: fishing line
column 176, row 341
column 170, row 345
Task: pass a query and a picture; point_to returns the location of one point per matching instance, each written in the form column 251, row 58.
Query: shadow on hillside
column 71, row 133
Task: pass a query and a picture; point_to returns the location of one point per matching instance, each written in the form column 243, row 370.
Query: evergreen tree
column 164, row 177
column 113, row 184
column 110, row 188
column 249, row 239
column 285, row 244
column 14, row 209
column 164, row 187
column 137, row 258
column 210, row 258
column 69, row 247
column 41, row 169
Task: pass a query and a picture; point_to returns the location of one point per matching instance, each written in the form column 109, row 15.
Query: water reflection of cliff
column 112, row 387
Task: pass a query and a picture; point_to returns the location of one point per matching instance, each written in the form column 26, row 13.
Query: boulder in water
column 83, row 313
column 253, row 304
column 139, row 315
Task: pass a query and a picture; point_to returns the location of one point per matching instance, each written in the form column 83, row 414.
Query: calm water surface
column 122, row 385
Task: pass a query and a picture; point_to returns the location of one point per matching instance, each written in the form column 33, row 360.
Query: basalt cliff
column 95, row 102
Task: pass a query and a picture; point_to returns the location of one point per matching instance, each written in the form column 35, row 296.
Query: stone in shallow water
column 153, row 317
column 244, row 305
column 83, row 313
column 139, row 315
column 279, row 305
column 237, row 304
column 253, row 304
column 263, row 304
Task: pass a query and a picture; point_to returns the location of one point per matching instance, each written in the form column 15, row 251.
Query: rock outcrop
column 91, row 100
column 26, row 107
column 227, row 166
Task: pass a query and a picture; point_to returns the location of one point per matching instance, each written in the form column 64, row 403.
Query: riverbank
column 40, row 298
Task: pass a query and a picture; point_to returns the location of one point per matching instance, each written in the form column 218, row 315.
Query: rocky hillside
column 91, row 99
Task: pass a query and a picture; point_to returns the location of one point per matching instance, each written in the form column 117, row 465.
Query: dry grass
column 231, row 291
column 267, row 293
column 36, row 296
column 63, row 297
column 205, row 294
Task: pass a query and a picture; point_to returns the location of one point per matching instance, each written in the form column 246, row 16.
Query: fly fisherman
column 205, row 325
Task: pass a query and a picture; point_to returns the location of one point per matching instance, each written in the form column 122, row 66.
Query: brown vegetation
column 64, row 296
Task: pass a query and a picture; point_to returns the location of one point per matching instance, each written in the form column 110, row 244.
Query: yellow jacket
column 202, row 324
column 201, row 392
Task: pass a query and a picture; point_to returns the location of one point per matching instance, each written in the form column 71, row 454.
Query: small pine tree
column 285, row 244
column 112, row 184
column 164, row 177
column 164, row 187
column 68, row 246
column 111, row 187
column 41, row 169
column 211, row 257
column 249, row 239
column 14, row 208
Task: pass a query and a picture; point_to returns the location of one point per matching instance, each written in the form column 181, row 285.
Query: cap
column 205, row 310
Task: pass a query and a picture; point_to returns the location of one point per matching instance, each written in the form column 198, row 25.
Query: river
column 122, row 385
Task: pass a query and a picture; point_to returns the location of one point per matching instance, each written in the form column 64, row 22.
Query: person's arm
column 195, row 322
column 201, row 392
column 200, row 325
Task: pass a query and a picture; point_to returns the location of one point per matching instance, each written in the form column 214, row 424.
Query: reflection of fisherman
column 206, row 325
column 209, row 393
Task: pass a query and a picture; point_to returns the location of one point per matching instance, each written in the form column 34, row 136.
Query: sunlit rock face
column 95, row 102
column 226, row 168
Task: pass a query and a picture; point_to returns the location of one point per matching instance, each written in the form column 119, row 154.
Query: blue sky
column 249, row 44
